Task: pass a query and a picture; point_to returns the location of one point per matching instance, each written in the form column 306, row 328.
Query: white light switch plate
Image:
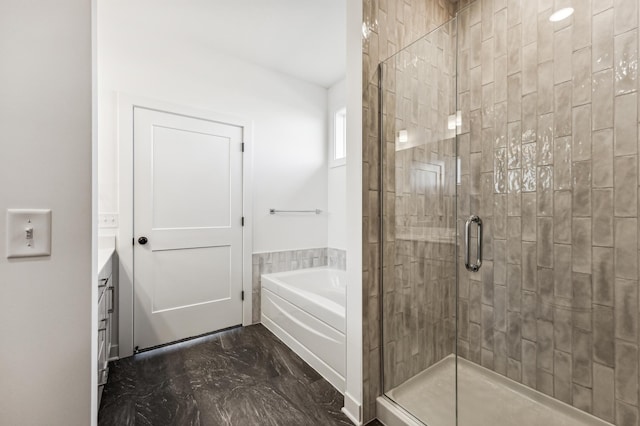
column 19, row 222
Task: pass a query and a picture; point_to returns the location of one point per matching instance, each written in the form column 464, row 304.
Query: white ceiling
column 302, row 38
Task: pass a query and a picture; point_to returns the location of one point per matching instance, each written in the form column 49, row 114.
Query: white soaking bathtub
column 306, row 310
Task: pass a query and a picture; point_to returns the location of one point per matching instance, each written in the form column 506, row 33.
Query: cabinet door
column 103, row 321
column 105, row 309
column 110, row 302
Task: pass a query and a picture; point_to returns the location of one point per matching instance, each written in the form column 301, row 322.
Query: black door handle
column 143, row 240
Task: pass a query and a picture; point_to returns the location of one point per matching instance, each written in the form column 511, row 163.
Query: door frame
column 125, row 105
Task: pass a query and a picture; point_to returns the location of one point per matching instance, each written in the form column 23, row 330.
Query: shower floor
column 485, row 399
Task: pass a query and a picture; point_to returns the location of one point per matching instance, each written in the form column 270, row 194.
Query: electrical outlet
column 108, row 220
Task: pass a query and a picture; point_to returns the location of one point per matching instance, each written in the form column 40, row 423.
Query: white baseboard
column 352, row 409
column 113, row 353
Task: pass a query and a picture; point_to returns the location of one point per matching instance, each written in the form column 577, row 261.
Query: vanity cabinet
column 106, row 296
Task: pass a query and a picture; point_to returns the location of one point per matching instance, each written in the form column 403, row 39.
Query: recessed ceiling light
column 561, row 14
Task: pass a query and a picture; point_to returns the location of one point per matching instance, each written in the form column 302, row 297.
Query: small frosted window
column 340, row 136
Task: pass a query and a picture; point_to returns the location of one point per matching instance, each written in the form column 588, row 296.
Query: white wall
column 289, row 118
column 46, row 162
column 337, row 188
column 354, row 390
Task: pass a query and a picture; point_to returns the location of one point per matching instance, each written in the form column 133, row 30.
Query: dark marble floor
column 243, row 376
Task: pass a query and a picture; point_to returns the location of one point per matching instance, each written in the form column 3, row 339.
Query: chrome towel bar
column 274, row 211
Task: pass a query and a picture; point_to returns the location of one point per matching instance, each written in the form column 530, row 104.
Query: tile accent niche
column 290, row 260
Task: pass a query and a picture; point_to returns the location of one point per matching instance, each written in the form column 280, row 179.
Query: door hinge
column 242, row 221
column 242, row 295
column 242, row 146
column 133, row 241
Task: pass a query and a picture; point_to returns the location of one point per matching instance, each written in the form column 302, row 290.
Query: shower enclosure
column 509, row 146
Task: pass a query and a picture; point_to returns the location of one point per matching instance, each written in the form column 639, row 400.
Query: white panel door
column 187, row 227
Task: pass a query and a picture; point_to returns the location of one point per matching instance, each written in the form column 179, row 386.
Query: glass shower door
column 529, row 127
column 419, row 175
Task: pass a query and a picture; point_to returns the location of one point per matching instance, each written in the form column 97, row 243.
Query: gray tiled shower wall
column 290, row 260
column 549, row 160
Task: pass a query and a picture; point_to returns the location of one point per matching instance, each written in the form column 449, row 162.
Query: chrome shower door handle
column 475, row 267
